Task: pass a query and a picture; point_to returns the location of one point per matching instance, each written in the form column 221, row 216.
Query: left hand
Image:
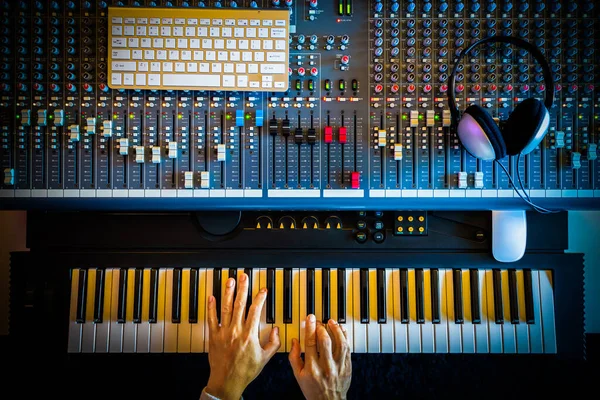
column 235, row 354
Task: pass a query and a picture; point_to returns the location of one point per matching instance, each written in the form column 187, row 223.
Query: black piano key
column 474, row 284
column 341, row 292
column 310, row 291
column 498, row 309
column 287, row 296
column 529, row 314
column 364, row 295
column 153, row 306
column 271, row 295
column 381, row 297
column 404, row 315
column 82, row 295
column 325, row 284
column 217, row 291
column 176, row 300
column 193, row 307
column 435, row 298
column 122, row 312
column 420, row 291
column 233, row 274
column 137, row 296
column 458, row 300
column 512, row 296
column 99, row 297
column 248, row 272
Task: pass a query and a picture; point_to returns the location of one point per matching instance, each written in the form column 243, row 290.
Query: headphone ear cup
column 480, row 135
column 526, row 127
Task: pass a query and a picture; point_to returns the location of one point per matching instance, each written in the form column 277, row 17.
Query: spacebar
column 191, row 80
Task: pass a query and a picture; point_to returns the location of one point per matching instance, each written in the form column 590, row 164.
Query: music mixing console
column 364, row 124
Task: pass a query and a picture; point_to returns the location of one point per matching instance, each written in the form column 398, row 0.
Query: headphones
column 526, row 126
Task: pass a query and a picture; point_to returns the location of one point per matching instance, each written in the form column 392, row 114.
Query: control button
column 361, row 225
column 378, row 225
column 378, row 237
column 361, row 237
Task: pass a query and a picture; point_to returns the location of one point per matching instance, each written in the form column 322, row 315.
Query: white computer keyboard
column 198, row 49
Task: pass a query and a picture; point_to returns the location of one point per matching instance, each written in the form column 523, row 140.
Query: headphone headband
column 534, row 51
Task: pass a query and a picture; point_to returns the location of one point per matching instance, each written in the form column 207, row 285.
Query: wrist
column 224, row 390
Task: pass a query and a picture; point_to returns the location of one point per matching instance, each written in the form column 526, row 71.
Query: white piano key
column 293, row 330
column 224, row 277
column 454, row 329
column 387, row 329
column 279, row 309
column 360, row 330
column 197, row 339
column 319, row 294
column 265, row 329
column 509, row 339
column 400, row 329
column 481, row 330
column 467, row 328
column 129, row 328
column 170, row 338
column 427, row 334
column 547, row 308
column 441, row 330
column 74, row 344
column 521, row 330
column 349, row 324
column 303, row 311
column 103, row 328
column 157, row 330
column 373, row 329
column 495, row 330
column 333, row 294
column 414, row 329
column 116, row 329
column 184, row 330
column 535, row 330
column 88, row 330
column 143, row 328
column 209, row 292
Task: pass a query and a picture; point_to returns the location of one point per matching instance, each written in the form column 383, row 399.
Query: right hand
column 326, row 373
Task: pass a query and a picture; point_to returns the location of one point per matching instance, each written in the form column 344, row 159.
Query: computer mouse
column 509, row 235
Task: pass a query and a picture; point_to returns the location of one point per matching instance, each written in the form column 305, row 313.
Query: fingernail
column 276, row 330
column 333, row 322
column 211, row 299
column 263, row 290
column 311, row 318
column 243, row 278
column 230, row 282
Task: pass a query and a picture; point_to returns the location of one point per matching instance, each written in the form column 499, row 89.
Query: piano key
column 521, row 330
column 197, row 338
column 287, row 296
column 265, row 327
column 512, row 295
column 82, row 288
column 303, row 306
column 467, row 327
column 529, row 311
column 442, row 342
column 129, row 328
column 143, row 327
column 458, row 296
column 364, row 295
column 115, row 341
column 170, row 333
column 103, row 323
column 427, row 330
column 137, row 296
column 498, row 306
column 216, row 289
column 387, row 328
column 509, row 340
column 481, row 329
column 435, row 296
column 494, row 329
column 153, row 306
column 547, row 308
column 184, row 330
column 193, row 298
column 271, row 295
column 381, row 296
column 233, row 274
column 122, row 304
column 348, row 323
column 292, row 329
column 475, row 301
column 454, row 330
column 373, row 329
column 404, row 298
column 419, row 299
column 209, row 292
column 74, row 343
column 360, row 330
column 310, row 291
column 99, row 296
column 535, row 330
column 278, row 321
column 177, row 295
column 326, row 293
column 248, row 272
column 414, row 329
column 157, row 329
column 318, row 294
column 88, row 330
column 341, row 295
column 400, row 329
column 333, row 294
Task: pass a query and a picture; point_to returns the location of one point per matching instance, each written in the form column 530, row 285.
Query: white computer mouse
column 509, row 235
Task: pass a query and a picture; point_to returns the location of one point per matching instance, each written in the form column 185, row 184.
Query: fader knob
column 443, row 7
column 475, row 7
column 378, row 7
column 507, row 7
column 459, row 7
column 491, row 7
column 394, row 7
column 426, row 7
column 410, row 7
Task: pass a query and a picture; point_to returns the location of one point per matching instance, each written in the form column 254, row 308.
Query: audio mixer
column 364, row 123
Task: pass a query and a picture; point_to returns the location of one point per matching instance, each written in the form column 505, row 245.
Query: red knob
column 378, row 88
column 301, row 71
column 460, row 88
column 345, row 60
column 410, row 88
column 395, row 88
column 427, row 88
column 314, row 71
column 444, row 88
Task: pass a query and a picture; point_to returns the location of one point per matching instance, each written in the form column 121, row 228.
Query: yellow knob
column 421, row 218
column 410, row 219
column 400, row 219
column 410, row 229
column 400, row 229
column 421, row 229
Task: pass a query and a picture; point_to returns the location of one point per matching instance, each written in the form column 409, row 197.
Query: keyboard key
column 535, row 329
column 193, row 298
column 170, row 329
column 341, row 296
column 197, row 339
column 509, row 341
column 304, row 295
column 82, row 288
column 467, row 327
column 435, row 297
column 442, row 342
column 481, row 328
column 74, row 343
column 364, row 295
column 129, row 328
column 248, row 271
column 122, row 304
column 88, row 330
column 373, row 330
column 454, row 329
column 349, row 324
column 359, row 328
column 414, row 329
column 287, row 296
column 381, row 296
column 216, row 290
column 292, row 329
column 495, row 330
column 116, row 328
column 404, row 299
column 458, row 298
column 103, row 325
column 157, row 329
column 319, row 294
column 278, row 320
column 512, row 294
column 143, row 327
column 265, row 327
column 387, row 328
column 521, row 330
column 271, row 295
column 137, row 296
column 420, row 300
column 310, row 291
column 176, row 302
column 475, row 293
column 210, row 284
column 528, row 288
column 547, row 307
column 184, row 330
column 498, row 307
column 427, row 329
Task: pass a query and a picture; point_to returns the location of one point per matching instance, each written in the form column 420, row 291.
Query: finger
column 253, row 320
column 213, row 323
column 274, row 343
column 227, row 306
column 325, row 346
column 310, row 345
column 345, row 333
column 239, row 307
column 295, row 359
column 338, row 338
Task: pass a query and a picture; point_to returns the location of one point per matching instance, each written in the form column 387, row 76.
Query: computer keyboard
column 198, row 49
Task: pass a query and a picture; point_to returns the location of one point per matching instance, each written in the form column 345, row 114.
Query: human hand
column 235, row 354
column 326, row 371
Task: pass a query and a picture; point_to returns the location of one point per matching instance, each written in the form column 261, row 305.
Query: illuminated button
column 328, row 134
column 345, row 60
column 327, row 84
column 343, row 135
column 378, row 88
column 427, row 88
column 342, row 85
column 301, row 71
column 395, row 88
column 444, row 88
column 314, row 71
column 411, row 88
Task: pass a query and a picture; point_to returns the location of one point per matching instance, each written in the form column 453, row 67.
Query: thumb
column 295, row 359
column 274, row 343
